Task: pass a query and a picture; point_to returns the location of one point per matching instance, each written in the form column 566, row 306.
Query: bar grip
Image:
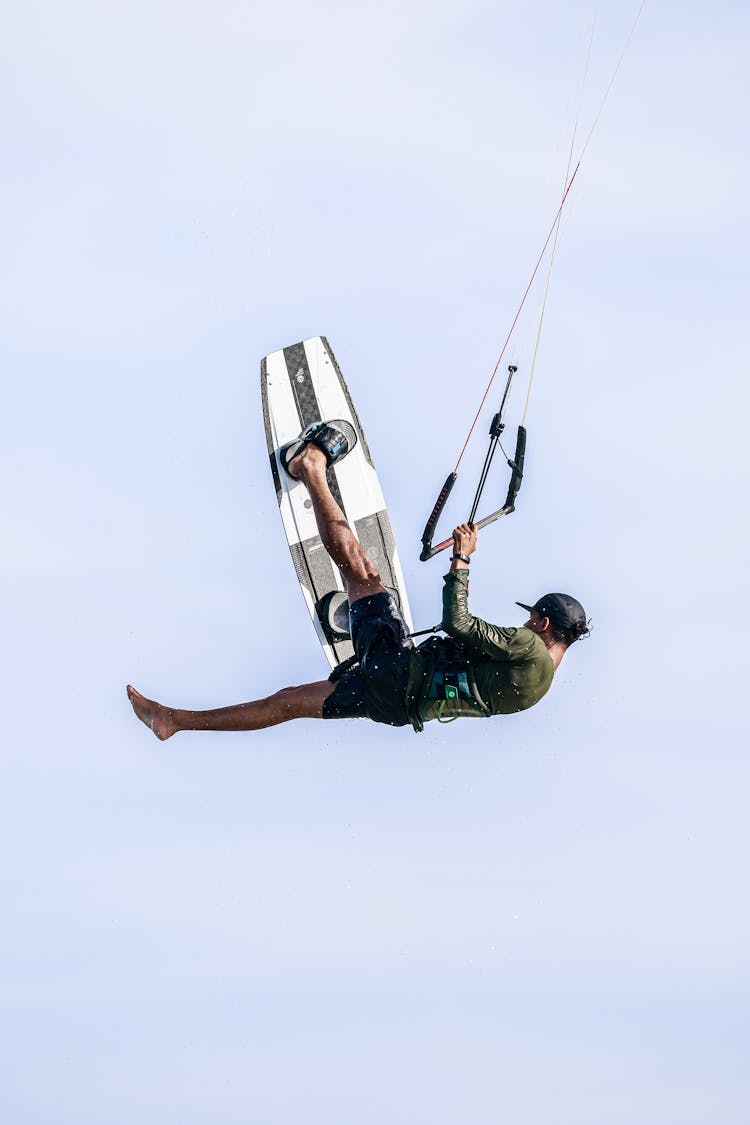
column 429, row 527
column 517, row 466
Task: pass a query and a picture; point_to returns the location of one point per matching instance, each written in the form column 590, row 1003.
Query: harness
column 448, row 682
column 441, row 671
column 447, row 675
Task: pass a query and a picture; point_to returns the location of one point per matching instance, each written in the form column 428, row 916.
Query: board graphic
column 300, row 385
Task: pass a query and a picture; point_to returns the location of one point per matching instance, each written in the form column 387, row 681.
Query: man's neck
column 556, row 650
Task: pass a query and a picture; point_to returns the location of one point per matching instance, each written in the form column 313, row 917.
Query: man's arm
column 494, row 641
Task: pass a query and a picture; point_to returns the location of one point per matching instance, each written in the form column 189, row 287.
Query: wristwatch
column 462, row 557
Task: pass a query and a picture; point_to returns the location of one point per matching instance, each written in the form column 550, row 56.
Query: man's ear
column 545, row 624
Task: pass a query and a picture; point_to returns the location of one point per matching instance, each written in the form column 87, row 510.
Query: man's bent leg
column 358, row 571
column 305, row 702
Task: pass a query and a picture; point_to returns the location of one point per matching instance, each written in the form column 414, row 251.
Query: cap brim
column 530, row 608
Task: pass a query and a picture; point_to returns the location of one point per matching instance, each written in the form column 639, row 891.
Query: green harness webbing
column 449, row 686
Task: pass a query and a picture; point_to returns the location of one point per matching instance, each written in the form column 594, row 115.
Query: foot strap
column 336, row 439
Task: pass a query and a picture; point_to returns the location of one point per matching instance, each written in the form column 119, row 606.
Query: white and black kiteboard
column 302, row 384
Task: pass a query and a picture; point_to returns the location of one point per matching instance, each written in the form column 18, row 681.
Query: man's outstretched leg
column 358, row 571
column 361, row 579
column 305, row 702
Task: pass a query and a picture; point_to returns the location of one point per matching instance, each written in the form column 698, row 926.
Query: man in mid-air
column 478, row 670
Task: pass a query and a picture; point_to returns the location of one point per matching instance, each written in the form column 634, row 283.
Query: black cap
column 563, row 611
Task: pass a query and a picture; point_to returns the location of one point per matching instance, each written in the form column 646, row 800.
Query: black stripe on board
column 314, row 571
column 313, row 565
column 345, row 389
column 376, row 536
column 307, row 402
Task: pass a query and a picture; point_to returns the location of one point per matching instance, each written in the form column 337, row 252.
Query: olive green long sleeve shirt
column 511, row 667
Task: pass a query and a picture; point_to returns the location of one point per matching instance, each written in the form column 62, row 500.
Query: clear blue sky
column 534, row 919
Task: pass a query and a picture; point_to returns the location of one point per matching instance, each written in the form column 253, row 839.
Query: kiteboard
column 300, row 385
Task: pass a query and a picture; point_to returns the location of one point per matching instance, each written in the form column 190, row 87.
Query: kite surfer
column 479, row 669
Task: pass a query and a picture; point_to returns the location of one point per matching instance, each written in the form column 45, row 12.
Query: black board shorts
column 376, row 687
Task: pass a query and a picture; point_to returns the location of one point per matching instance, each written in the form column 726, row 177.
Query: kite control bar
column 516, row 466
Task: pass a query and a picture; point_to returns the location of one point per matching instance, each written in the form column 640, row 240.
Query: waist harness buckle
column 449, row 686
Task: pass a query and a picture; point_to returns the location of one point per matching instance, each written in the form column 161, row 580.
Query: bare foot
column 307, row 460
column 157, row 718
